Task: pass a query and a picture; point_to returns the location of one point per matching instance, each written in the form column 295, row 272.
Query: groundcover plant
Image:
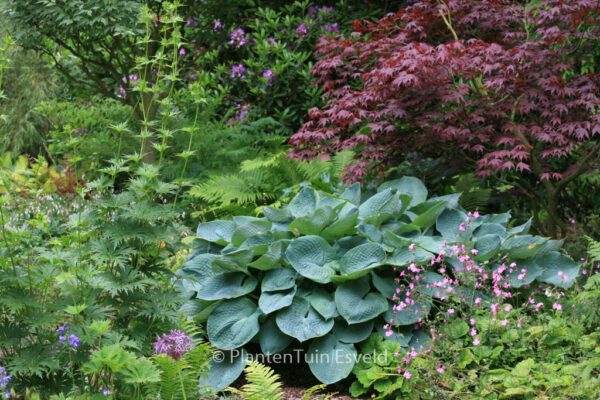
column 328, row 270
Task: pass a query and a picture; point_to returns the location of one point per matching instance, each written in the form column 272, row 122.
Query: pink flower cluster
column 174, row 344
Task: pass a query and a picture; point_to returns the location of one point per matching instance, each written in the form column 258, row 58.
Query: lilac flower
column 174, row 344
column 4, row 378
column 217, row 26
column 182, row 52
column 74, row 341
column 238, row 71
column 302, row 30
column 271, row 41
column 191, row 23
column 243, row 110
column 238, row 38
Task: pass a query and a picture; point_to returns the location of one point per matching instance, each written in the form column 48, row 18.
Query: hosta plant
column 327, row 270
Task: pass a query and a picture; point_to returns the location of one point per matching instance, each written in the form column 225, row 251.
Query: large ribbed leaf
column 302, row 321
column 409, row 186
column 228, row 285
column 356, row 303
column 304, row 203
column 272, row 257
column 322, row 301
column 409, row 315
column 273, row 301
column 271, row 339
column 359, row 260
column 331, row 360
column 216, row 231
column 279, row 279
column 309, row 255
column 355, row 333
column 225, row 368
column 233, row 323
column 559, row 269
column 522, row 247
column 450, row 224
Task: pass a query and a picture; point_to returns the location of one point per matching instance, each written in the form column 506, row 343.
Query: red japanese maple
column 510, row 83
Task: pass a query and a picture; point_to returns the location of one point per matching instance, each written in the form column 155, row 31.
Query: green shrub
column 325, row 269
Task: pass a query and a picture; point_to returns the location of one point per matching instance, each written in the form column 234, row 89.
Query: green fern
column 263, row 383
column 593, row 249
column 473, row 196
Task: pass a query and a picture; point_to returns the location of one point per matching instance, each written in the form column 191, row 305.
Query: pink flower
column 175, row 344
column 411, row 246
column 557, row 306
column 407, row 375
column 504, row 322
column 476, row 341
column 451, row 311
column 462, row 227
column 472, row 321
column 441, row 369
column 507, row 307
column 473, row 332
column 478, row 300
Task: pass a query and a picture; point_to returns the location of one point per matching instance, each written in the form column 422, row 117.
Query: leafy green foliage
column 324, row 261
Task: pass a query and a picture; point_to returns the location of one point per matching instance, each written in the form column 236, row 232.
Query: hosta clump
column 328, row 269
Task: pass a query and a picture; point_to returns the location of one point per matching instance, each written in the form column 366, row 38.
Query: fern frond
column 312, row 393
column 593, row 249
column 263, row 383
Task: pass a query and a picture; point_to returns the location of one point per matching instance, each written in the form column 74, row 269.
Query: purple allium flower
column 238, row 71
column 302, row 30
column 238, row 38
column 74, row 341
column 182, row 52
column 191, row 23
column 217, row 26
column 271, row 40
column 174, row 344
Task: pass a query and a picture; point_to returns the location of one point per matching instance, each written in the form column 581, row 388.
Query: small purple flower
column 217, row 26
column 243, row 110
column 122, row 91
column 302, row 30
column 271, row 41
column 182, row 52
column 174, row 344
column 191, row 23
column 238, row 38
column 331, row 28
column 4, row 378
column 269, row 76
column 7, row 394
column 74, row 341
column 238, row 71
column 105, row 391
column 62, row 329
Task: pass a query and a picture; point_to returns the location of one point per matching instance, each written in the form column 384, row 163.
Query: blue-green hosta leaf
column 432, row 285
column 409, row 315
column 233, row 260
column 404, row 256
column 200, row 266
column 407, row 185
column 216, row 231
column 420, row 341
column 373, row 206
column 322, row 301
column 532, row 272
column 384, row 284
column 434, row 244
column 345, row 224
column 304, row 203
column 371, row 232
column 450, row 224
column 280, row 215
column 233, row 323
column 402, row 336
column 279, row 279
column 549, row 246
column 490, row 229
column 501, row 219
column 309, row 255
column 198, row 309
column 271, row 339
column 487, row 247
column 302, row 321
column 272, row 258
column 426, row 213
column 248, row 227
column 558, row 269
column 331, row 360
column 359, row 260
column 225, row 368
column 258, row 245
column 227, row 285
column 355, row 333
column 451, row 200
column 313, row 223
column 521, row 229
column 352, row 194
column 356, row 304
column 523, row 247
column 273, row 301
